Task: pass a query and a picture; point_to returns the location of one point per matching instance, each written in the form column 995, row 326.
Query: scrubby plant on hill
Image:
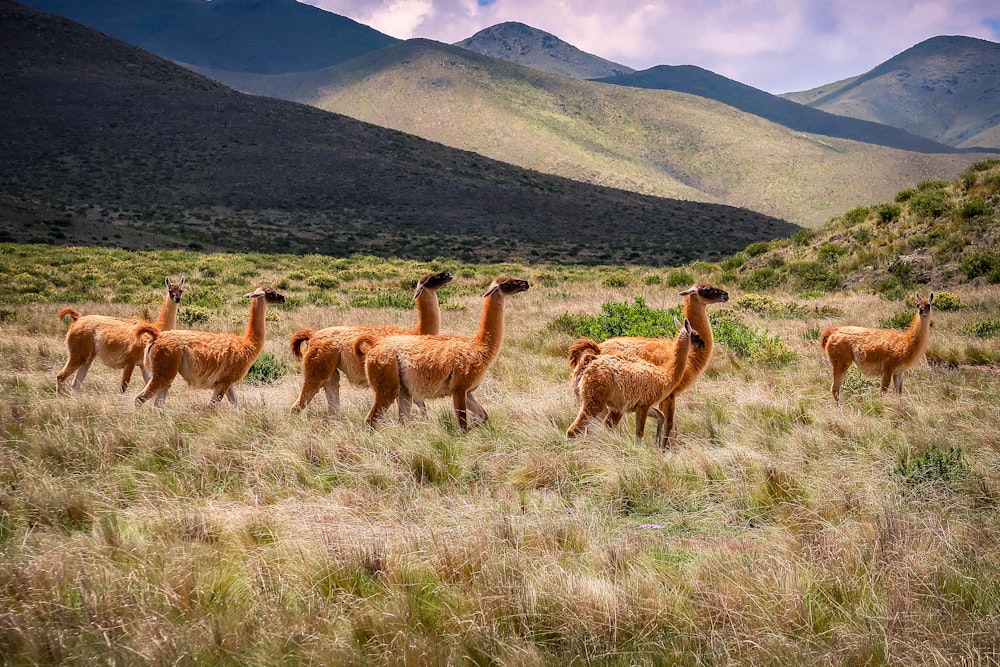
column 936, row 233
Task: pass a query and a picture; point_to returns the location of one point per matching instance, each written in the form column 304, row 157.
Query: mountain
column 103, row 143
column 521, row 44
column 240, row 35
column 945, row 88
column 702, row 82
column 656, row 142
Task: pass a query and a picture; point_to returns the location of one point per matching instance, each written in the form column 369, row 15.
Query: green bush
column 758, row 248
column 982, row 264
column 402, row 299
column 323, row 281
column 974, row 208
column 900, row 320
column 621, row 279
column 904, row 195
column 947, row 301
column 621, row 319
column 831, row 252
column 762, row 279
column 193, row 315
column 814, row 276
column 888, row 212
column 929, row 202
column 855, row 216
column 266, row 370
column 982, row 329
column 767, row 306
column 802, row 237
column 680, row 279
column 934, row 465
column 746, row 342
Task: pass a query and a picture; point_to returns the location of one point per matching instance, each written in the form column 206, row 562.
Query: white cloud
column 776, row 45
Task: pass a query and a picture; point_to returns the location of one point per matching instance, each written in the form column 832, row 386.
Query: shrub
column 767, row 306
column 982, row 329
column 929, row 202
column 831, row 252
column 814, row 276
column 904, row 195
column 887, row 212
column 982, row 264
column 733, row 261
column 762, row 279
column 855, row 216
column 758, row 248
column 946, row 301
column 323, row 281
column 934, row 465
column 746, row 342
column 900, row 320
column 974, row 208
column 383, row 299
column 621, row 319
column 652, row 279
column 802, row 237
column 266, row 370
column 193, row 315
column 680, row 279
column 620, row 279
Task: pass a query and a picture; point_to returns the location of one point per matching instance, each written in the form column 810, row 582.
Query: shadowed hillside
column 652, row 141
column 521, row 44
column 104, row 143
column 243, row 35
column 945, row 88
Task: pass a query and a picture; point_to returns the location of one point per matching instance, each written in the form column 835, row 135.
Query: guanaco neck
column 255, row 323
column 680, row 360
column 168, row 314
column 918, row 335
column 698, row 358
column 428, row 314
column 490, row 335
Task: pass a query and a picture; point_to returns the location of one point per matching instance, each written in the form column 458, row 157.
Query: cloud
column 775, row 45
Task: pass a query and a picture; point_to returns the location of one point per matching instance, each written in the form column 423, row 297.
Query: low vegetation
column 780, row 529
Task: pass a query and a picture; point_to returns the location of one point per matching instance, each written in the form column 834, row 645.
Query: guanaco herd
column 406, row 366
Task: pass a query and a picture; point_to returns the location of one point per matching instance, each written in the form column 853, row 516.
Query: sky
column 775, row 45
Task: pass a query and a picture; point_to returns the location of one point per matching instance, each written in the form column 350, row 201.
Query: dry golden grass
column 775, row 533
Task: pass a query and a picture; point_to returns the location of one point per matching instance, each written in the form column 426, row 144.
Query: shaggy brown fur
column 207, row 359
column 660, row 351
column 115, row 341
column 612, row 385
column 413, row 368
column 330, row 351
column 878, row 352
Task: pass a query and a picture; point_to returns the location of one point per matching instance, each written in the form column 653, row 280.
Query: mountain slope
column 521, row 44
column 698, row 81
column 652, row 141
column 266, row 36
column 104, row 143
column 944, row 88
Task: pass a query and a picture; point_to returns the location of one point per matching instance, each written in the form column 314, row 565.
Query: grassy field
column 781, row 530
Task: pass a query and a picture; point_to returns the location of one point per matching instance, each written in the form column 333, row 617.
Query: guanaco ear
column 677, row 323
column 181, row 283
column 689, row 290
column 420, row 290
column 254, row 294
column 166, row 281
column 687, row 325
column 493, row 288
column 931, row 298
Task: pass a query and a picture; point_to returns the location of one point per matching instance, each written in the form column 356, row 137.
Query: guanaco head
column 696, row 340
column 432, row 281
column 924, row 305
column 174, row 290
column 706, row 293
column 268, row 293
column 507, row 286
